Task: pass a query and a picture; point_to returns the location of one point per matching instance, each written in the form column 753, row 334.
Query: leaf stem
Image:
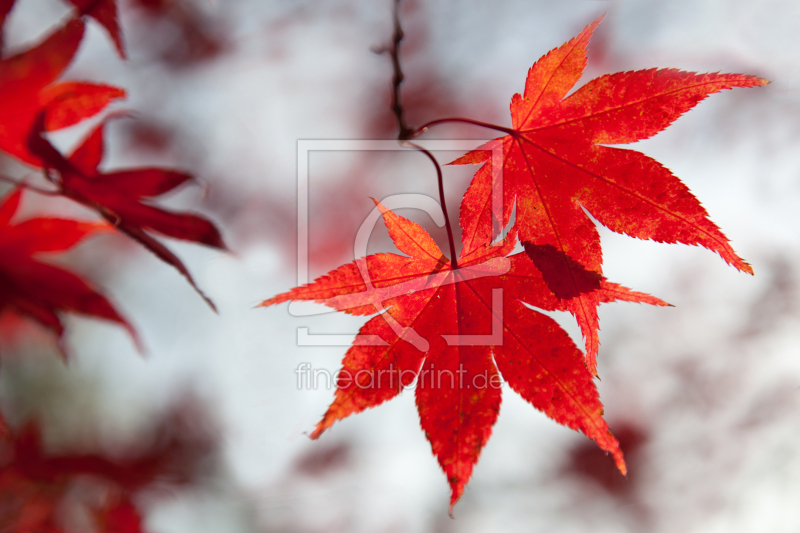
column 406, row 132
column 450, row 241
column 422, row 129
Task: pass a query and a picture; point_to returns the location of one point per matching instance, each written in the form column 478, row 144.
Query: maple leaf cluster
column 33, row 103
column 460, row 327
column 67, row 491
column 34, row 485
column 457, row 326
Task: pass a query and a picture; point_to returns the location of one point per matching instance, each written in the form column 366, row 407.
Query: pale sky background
column 707, row 392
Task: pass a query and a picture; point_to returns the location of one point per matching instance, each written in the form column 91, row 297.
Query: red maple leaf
column 457, row 332
column 122, row 197
column 36, row 289
column 105, row 13
column 37, row 488
column 26, row 90
column 555, row 165
column 5, row 9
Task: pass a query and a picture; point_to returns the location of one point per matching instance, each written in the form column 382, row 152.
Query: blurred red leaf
column 587, row 462
column 36, row 289
column 5, row 9
column 70, row 102
column 105, row 13
column 25, row 91
column 320, row 461
column 196, row 37
column 35, row 485
column 121, row 518
column 121, row 197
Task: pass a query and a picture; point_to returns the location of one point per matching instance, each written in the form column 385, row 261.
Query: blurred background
column 703, row 396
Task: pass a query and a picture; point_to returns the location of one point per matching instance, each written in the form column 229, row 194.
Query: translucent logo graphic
column 377, row 296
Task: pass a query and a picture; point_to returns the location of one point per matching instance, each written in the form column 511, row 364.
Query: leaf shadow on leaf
column 565, row 277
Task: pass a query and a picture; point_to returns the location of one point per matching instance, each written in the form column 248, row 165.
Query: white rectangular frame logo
column 304, row 148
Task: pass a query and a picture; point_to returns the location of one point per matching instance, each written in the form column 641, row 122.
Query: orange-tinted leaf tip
column 457, row 490
column 271, row 301
column 620, row 462
column 320, row 428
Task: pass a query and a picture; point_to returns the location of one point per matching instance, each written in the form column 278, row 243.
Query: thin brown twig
column 406, row 132
column 33, row 188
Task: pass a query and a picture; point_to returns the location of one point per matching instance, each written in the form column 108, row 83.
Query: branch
column 33, row 188
column 406, row 132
